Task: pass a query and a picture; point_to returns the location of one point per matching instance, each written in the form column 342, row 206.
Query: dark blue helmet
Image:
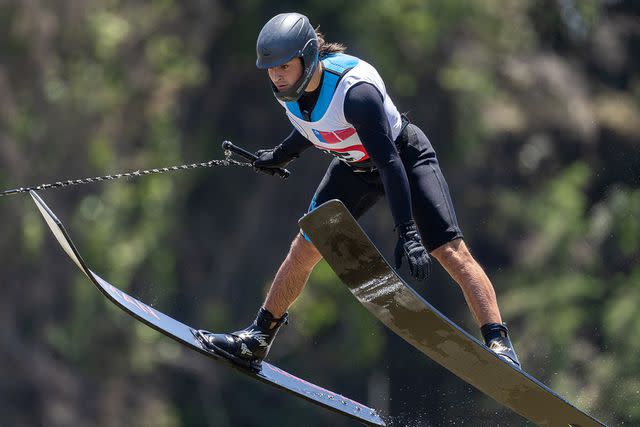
column 284, row 37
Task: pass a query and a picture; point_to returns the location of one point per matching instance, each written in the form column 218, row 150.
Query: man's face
column 284, row 76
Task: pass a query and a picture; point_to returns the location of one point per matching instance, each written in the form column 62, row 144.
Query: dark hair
column 325, row 48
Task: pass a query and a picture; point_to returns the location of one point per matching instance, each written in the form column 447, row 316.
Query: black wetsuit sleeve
column 364, row 109
column 294, row 144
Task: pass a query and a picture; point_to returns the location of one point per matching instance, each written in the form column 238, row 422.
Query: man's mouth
column 281, row 86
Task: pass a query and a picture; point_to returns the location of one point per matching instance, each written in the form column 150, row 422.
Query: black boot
column 496, row 337
column 247, row 346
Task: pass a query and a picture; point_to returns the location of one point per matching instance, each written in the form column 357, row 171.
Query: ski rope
column 226, row 162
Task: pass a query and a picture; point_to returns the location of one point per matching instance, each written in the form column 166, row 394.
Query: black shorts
column 430, row 200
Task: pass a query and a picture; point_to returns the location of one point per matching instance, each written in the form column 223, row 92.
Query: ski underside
column 185, row 335
column 359, row 264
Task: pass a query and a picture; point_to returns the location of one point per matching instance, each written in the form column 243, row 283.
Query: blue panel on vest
column 339, row 62
column 294, row 109
column 329, row 84
column 318, row 135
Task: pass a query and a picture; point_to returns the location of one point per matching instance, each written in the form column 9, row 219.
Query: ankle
column 491, row 331
column 266, row 320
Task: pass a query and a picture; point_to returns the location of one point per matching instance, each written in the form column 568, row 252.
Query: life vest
column 326, row 126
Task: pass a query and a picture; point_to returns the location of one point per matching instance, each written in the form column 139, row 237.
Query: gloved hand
column 269, row 160
column 410, row 245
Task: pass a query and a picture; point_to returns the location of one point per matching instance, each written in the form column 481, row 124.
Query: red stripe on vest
column 329, row 137
column 344, row 152
column 345, row 133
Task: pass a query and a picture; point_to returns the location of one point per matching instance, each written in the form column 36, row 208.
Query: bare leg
column 252, row 344
column 291, row 276
column 476, row 286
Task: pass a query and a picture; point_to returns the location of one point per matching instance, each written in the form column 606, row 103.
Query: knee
column 303, row 253
column 453, row 254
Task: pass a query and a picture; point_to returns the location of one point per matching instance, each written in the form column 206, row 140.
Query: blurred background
column 532, row 106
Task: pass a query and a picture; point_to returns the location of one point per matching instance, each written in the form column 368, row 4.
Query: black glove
column 410, row 245
column 269, row 160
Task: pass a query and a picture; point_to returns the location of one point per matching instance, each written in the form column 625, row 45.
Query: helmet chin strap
column 317, row 72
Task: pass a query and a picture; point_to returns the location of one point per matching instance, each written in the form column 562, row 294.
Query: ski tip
column 35, row 196
column 37, row 199
column 44, row 209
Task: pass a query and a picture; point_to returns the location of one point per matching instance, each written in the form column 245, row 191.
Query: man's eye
column 284, row 67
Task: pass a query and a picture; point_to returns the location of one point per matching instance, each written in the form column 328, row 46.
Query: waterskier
column 339, row 104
